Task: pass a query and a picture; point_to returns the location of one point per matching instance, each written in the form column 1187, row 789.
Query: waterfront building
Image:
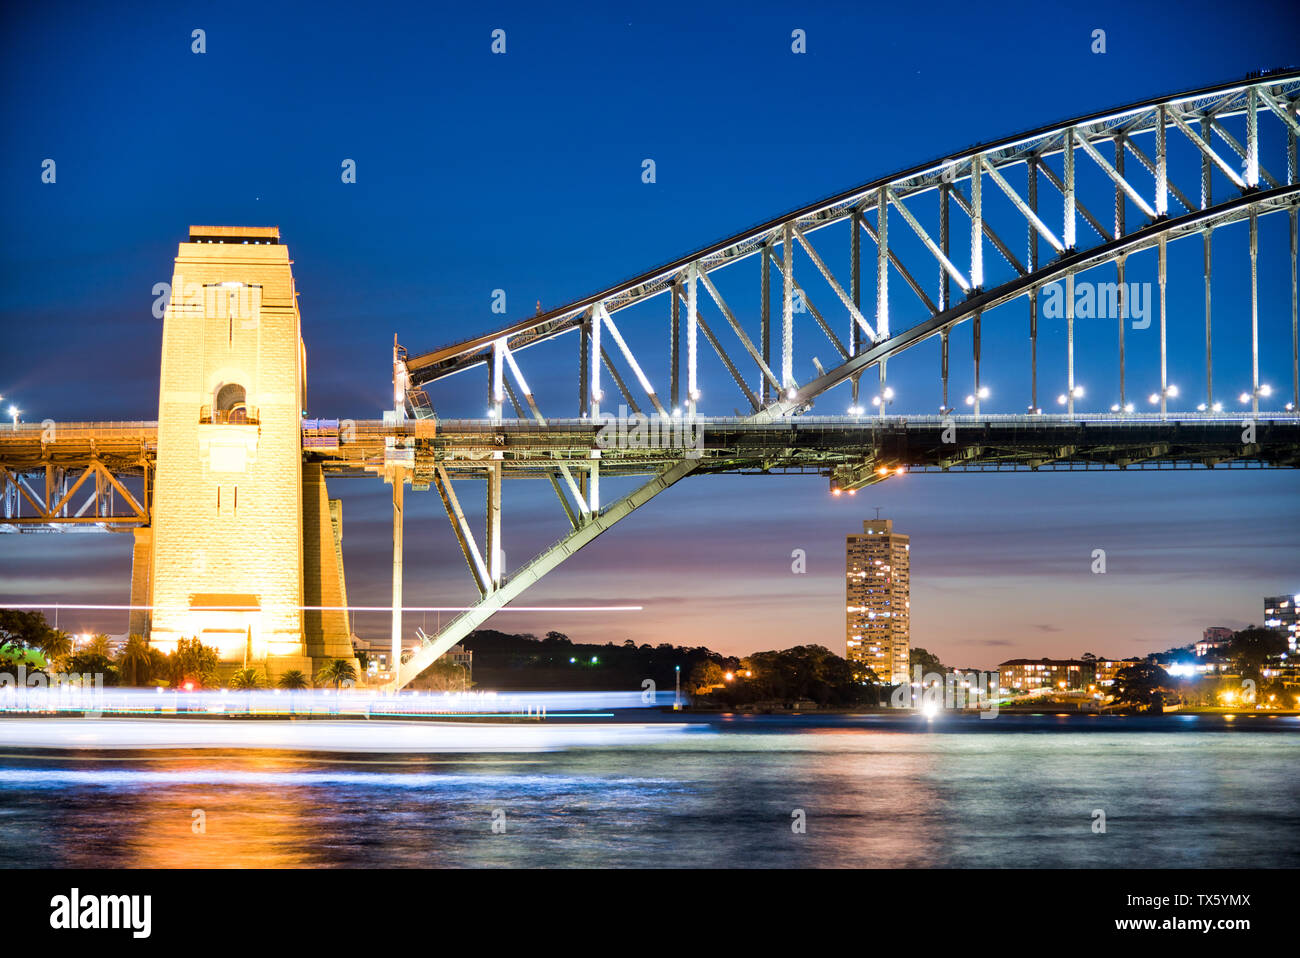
column 1107, row 669
column 877, row 593
column 1280, row 615
column 1028, row 675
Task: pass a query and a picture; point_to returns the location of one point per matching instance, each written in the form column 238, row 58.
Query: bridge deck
column 805, row 443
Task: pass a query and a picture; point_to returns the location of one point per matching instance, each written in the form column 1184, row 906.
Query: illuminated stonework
column 243, row 534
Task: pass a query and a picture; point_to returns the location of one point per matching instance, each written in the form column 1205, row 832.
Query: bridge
column 771, row 404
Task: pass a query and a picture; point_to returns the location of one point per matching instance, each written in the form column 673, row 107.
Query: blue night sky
column 523, row 172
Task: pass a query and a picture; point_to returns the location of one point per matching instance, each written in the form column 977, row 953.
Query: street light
column 1076, row 393
column 1263, row 389
column 13, row 412
column 974, row 398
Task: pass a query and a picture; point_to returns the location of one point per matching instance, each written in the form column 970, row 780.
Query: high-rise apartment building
column 877, row 594
column 1280, row 615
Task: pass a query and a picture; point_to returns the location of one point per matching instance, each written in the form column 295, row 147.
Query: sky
column 522, row 172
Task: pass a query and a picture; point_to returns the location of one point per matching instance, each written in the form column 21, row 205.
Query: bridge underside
column 40, row 477
column 828, row 445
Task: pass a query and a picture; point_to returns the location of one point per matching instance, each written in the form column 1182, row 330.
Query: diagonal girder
column 460, row 526
column 534, row 570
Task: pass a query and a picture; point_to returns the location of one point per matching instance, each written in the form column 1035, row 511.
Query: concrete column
column 398, row 492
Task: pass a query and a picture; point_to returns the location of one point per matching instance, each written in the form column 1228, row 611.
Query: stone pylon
column 244, row 539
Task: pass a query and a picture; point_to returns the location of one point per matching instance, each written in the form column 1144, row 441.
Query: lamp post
column 1170, row 391
column 973, row 400
column 677, row 693
column 1067, row 399
column 1252, row 397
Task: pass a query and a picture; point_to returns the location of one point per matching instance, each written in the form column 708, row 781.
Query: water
column 1018, row 791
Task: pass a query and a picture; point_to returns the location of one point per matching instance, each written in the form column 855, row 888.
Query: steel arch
column 1274, row 97
column 868, row 454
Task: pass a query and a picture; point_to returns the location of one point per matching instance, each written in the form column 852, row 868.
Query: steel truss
column 983, row 186
column 72, row 477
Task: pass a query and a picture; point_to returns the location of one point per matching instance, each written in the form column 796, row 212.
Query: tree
column 99, row 644
column 928, row 661
column 1251, row 648
column 159, row 665
column 706, row 676
column 444, row 676
column 803, row 672
column 1142, row 686
column 135, row 662
column 246, row 679
column 193, row 662
column 20, row 630
column 55, row 644
column 363, row 659
column 89, row 663
column 292, row 679
column 336, row 672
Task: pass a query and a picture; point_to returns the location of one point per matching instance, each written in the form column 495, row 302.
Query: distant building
column 459, row 655
column 877, row 594
column 986, row 679
column 1027, row 675
column 1280, row 615
column 378, row 653
column 1216, row 637
column 1107, row 669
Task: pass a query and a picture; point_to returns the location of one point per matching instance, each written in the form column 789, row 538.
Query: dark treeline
column 526, row 662
column 808, row 673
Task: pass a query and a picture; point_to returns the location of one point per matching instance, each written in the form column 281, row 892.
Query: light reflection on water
column 875, row 795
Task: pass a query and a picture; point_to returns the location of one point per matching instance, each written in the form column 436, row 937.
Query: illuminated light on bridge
column 993, row 189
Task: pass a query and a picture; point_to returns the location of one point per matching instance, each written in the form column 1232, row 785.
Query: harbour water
column 731, row 791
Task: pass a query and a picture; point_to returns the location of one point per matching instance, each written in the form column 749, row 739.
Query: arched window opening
column 230, row 405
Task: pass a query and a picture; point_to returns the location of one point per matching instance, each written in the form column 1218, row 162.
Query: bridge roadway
column 802, row 444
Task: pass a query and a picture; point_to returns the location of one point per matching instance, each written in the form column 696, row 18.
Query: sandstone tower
column 243, row 533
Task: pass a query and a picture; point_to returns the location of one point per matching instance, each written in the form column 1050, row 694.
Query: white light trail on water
column 335, row 736
column 332, row 608
column 35, row 695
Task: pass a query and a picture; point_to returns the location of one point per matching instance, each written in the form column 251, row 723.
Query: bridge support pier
column 398, row 494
